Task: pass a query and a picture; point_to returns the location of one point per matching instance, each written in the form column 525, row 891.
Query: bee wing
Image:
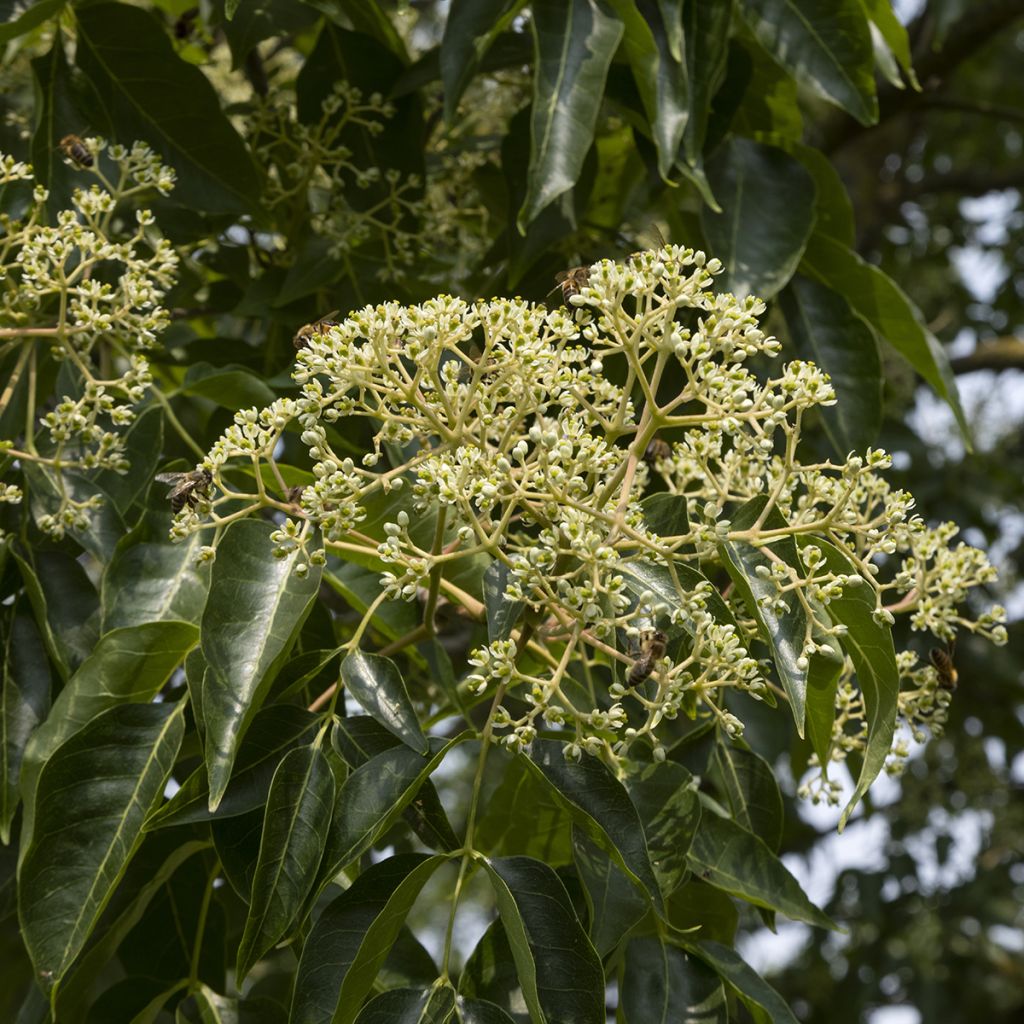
column 169, row 478
column 562, row 275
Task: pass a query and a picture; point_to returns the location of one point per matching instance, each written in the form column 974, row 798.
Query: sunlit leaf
column 377, row 684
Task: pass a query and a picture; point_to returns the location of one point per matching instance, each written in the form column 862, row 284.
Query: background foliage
column 336, row 153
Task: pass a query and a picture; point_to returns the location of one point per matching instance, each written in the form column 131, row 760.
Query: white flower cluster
column 90, row 292
column 312, row 169
column 531, row 437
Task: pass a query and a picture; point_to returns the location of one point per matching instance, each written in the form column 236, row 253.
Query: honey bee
column 571, row 281
column 187, row 488
column 76, row 151
column 304, row 335
column 942, row 662
column 657, row 450
column 651, row 649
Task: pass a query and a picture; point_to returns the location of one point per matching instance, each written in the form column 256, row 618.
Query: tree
column 515, row 605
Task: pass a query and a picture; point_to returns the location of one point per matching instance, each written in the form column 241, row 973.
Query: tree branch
column 1006, row 353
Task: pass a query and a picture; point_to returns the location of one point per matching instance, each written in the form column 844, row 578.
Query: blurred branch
column 996, row 110
column 980, row 23
column 1006, row 353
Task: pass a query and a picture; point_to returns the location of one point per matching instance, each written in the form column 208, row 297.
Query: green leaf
column 490, row 973
column 294, row 836
column 233, row 387
column 377, row 684
column 767, row 200
column 480, row 1011
column 128, row 665
column 672, row 585
column 24, row 703
column 601, row 806
column 470, row 30
column 824, row 44
column 56, row 116
column 351, row 938
column 274, row 731
column 149, row 93
column 92, row 798
column 697, row 906
column 751, row 790
column 731, row 858
column 810, row 689
column 828, row 331
column 154, row 582
column 434, row 1005
column 752, row 989
column 359, row 738
column 877, row 298
column 662, row 985
column 21, row 18
column 665, row 796
column 705, row 36
column 368, row 17
column 525, row 816
column 372, row 799
column 666, row 515
column 237, row 842
column 894, row 35
column 502, row 613
column 870, row 647
column 575, row 41
column 559, row 970
column 660, row 76
column 256, row 607
column 615, row 905
column 204, row 1006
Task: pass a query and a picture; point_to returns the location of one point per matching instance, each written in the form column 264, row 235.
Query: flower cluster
column 86, row 289
column 607, row 461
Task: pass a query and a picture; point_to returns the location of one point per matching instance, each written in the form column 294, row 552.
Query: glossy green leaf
column 56, row 117
column 502, row 613
column 469, row 31
column 575, row 41
column 377, row 684
column 705, row 43
column 294, row 836
column 367, row 17
column 733, row 859
column 697, row 906
column 879, row 300
column 233, row 387
column 372, row 799
column 22, row 18
column 155, row 863
column 665, row 796
column 824, row 44
column 274, row 731
column 434, row 1005
column 357, row 739
column 767, row 200
column 204, row 1006
column 751, row 791
column 24, row 703
column 256, row 606
column 480, row 1011
column 824, row 327
column 870, row 647
column 559, row 970
column 752, row 989
column 152, row 582
column 811, row 688
column 524, row 816
column 490, row 973
column 660, row 76
column 600, row 805
column 894, row 33
column 149, row 93
column 666, row 515
column 351, row 939
column 92, row 797
column 672, row 585
column 237, row 842
column 663, row 985
column 615, row 905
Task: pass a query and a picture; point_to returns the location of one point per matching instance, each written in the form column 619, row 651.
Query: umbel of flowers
column 631, row 473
